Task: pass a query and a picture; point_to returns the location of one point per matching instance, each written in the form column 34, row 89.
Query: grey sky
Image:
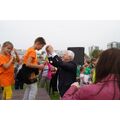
column 61, row 34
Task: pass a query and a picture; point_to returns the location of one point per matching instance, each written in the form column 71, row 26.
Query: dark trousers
column 18, row 84
column 53, row 84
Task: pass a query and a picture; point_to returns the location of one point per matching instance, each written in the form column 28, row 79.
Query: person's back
column 30, row 52
column 96, row 91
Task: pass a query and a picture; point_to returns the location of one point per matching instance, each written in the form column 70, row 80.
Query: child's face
column 82, row 70
column 39, row 46
column 86, row 64
column 8, row 49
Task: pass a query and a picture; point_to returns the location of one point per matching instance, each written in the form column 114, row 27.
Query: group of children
column 28, row 72
column 87, row 72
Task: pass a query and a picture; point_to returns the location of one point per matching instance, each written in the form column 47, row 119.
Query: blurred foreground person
column 107, row 84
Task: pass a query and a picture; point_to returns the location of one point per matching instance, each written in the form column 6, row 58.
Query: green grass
column 55, row 96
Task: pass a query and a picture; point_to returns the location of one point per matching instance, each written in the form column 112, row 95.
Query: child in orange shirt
column 7, row 69
column 30, row 63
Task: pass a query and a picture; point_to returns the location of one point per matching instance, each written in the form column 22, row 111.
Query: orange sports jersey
column 30, row 53
column 6, row 75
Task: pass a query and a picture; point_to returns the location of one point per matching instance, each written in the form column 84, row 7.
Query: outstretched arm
column 72, row 93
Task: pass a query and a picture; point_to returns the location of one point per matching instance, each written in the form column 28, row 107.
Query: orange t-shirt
column 6, row 75
column 30, row 53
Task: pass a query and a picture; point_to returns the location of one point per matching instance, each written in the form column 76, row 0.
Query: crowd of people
column 99, row 78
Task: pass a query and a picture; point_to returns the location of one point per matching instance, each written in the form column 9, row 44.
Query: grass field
column 55, row 96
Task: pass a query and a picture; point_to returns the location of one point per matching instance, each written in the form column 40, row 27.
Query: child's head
column 82, row 69
column 87, row 63
column 94, row 61
column 108, row 63
column 7, row 48
column 39, row 43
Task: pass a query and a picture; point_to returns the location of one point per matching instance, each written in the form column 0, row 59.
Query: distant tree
column 95, row 53
column 86, row 57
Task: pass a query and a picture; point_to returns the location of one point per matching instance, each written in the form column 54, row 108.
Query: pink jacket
column 49, row 72
column 91, row 92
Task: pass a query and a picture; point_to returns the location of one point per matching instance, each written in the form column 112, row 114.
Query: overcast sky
column 61, row 34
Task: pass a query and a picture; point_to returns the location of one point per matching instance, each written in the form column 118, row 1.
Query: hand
column 41, row 66
column 49, row 49
column 14, row 50
column 76, row 84
column 16, row 55
column 12, row 60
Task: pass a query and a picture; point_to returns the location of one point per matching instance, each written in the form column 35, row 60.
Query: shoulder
column 88, row 90
column 56, row 57
column 31, row 52
column 2, row 57
column 73, row 63
column 30, row 49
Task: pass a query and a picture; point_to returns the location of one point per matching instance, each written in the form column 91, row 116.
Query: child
column 82, row 76
column 46, row 76
column 87, row 72
column 30, row 67
column 7, row 69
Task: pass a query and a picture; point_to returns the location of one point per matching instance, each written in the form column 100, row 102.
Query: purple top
column 91, row 92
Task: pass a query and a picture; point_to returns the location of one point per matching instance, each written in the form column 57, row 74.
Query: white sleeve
column 54, row 54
